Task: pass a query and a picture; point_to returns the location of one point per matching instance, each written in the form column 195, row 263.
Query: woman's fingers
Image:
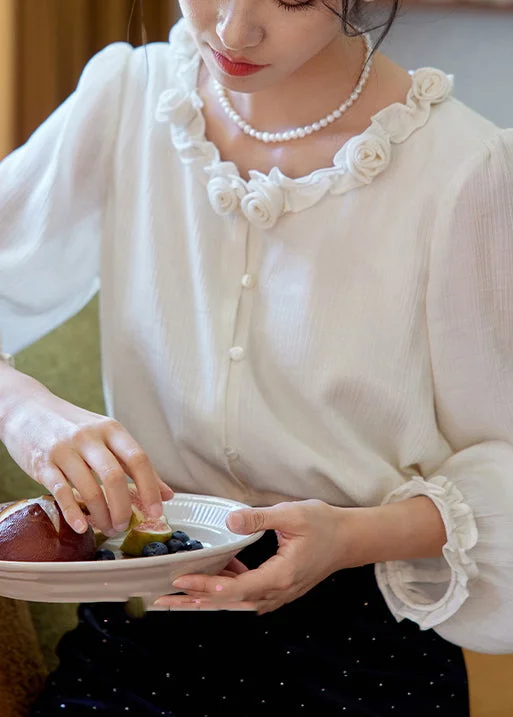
column 186, row 603
column 166, row 492
column 79, row 475
column 55, row 481
column 113, row 478
column 138, row 467
column 236, row 566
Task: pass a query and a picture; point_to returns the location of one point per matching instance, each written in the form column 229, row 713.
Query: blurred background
column 44, row 45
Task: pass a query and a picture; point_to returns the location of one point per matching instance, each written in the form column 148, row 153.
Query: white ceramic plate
column 202, row 517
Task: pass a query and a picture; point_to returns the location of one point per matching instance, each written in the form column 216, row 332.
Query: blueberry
column 180, row 535
column 154, row 548
column 104, row 554
column 175, row 546
column 193, row 545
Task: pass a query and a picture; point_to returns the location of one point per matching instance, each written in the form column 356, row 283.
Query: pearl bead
column 307, row 129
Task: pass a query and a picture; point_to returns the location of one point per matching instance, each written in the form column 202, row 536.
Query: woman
column 305, row 273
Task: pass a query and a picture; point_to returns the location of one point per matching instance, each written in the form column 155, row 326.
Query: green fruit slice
column 146, row 532
column 99, row 537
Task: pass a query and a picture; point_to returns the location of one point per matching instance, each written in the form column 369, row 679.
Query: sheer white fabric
column 347, row 335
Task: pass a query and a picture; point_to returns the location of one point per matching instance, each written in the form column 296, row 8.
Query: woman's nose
column 238, row 27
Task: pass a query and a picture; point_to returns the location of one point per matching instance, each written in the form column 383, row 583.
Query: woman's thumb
column 248, row 520
column 251, row 520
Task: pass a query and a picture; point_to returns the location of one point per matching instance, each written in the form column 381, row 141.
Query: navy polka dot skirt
column 335, row 651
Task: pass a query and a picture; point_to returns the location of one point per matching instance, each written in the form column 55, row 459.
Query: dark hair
column 358, row 16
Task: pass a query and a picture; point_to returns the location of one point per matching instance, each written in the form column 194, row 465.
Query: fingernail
column 120, row 528
column 80, row 526
column 237, row 522
column 182, row 583
column 155, row 510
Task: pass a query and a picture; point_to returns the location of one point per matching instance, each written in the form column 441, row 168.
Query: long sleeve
column 52, row 198
column 467, row 595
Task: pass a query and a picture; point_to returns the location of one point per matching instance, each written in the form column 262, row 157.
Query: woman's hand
column 62, row 446
column 315, row 540
column 311, row 547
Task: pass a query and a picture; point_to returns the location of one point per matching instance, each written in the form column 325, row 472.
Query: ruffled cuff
column 429, row 591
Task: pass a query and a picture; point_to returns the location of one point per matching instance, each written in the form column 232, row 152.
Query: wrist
column 15, row 389
column 407, row 530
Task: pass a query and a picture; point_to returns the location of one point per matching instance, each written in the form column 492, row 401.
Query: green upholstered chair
column 67, row 361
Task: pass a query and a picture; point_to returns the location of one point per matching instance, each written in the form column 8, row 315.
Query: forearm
column 14, row 386
column 405, row 530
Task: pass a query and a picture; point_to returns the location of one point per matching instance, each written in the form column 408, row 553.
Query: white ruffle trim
column 404, row 584
column 264, row 198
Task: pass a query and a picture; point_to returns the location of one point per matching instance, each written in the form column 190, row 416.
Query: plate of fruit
column 43, row 559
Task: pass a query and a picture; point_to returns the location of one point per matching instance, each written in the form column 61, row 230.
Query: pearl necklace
column 309, row 128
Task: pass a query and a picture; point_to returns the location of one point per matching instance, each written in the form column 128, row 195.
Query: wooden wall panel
column 6, row 76
column 55, row 39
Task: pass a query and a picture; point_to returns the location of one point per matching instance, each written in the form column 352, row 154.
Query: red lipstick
column 236, row 67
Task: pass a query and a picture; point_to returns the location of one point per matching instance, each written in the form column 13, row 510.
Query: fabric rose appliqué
column 263, row 203
column 225, row 194
column 431, row 85
column 367, row 156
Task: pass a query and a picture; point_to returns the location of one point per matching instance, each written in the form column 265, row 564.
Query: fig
column 137, row 517
column 149, row 531
column 34, row 529
column 139, row 514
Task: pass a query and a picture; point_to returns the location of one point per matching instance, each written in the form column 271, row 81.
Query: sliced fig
column 138, row 513
column 147, row 532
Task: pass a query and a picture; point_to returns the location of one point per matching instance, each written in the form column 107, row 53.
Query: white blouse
column 347, row 335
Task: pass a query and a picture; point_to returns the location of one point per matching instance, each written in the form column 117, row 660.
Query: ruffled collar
column 266, row 197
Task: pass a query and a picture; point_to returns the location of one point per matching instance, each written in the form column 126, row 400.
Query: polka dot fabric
column 335, row 651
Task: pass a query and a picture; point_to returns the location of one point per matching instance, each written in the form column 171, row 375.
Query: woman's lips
column 237, row 69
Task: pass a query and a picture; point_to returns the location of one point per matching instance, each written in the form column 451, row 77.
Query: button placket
column 234, row 246
column 237, row 357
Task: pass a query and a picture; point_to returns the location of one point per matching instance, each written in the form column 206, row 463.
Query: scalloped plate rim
column 16, row 566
